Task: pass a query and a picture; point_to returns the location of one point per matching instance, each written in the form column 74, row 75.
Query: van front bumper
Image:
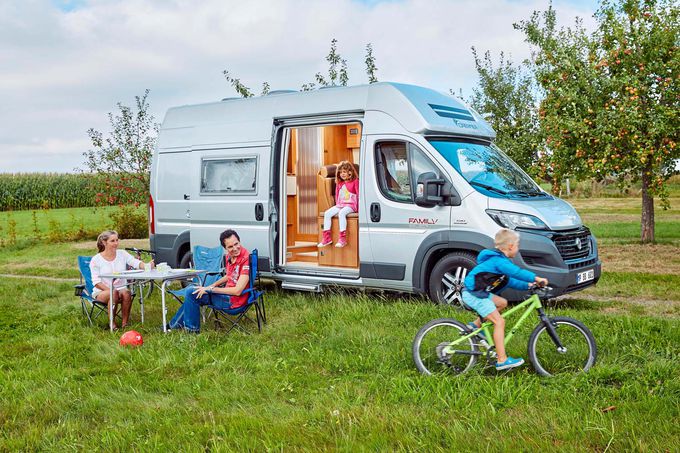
column 560, row 257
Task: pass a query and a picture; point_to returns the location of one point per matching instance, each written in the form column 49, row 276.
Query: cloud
column 65, row 64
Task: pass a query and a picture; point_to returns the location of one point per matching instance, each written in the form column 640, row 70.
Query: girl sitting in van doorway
column 346, row 201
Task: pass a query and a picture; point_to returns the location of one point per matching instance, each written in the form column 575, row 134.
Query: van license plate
column 586, row 276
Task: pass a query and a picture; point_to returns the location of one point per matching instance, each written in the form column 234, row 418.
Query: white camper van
column 434, row 190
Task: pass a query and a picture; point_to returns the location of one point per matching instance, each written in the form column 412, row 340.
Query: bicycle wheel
column 579, row 351
column 430, row 341
column 147, row 289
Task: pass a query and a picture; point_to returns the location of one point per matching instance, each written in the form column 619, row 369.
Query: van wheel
column 446, row 280
column 187, row 262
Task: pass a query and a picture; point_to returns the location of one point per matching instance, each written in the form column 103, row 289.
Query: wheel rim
column 430, row 350
column 452, row 286
column 577, row 357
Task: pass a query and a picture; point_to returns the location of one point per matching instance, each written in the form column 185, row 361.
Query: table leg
column 141, row 298
column 165, row 322
column 111, row 306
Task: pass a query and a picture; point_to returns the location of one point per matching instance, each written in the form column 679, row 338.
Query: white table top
column 154, row 274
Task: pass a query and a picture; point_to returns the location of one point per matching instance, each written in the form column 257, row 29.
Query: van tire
column 187, row 262
column 446, row 279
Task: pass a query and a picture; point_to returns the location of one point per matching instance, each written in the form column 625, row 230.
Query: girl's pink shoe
column 326, row 239
column 342, row 240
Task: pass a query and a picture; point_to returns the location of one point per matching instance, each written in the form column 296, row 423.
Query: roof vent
column 229, row 99
column 275, row 92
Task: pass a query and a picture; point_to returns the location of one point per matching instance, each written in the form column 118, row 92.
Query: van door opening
column 311, row 159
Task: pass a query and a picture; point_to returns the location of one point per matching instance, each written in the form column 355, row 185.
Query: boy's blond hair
column 505, row 238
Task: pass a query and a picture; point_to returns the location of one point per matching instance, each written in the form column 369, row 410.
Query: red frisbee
column 131, row 338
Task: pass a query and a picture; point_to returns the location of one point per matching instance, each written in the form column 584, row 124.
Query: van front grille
column 582, row 264
column 574, row 244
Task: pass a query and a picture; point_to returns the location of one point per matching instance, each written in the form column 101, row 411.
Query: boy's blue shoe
column 480, row 334
column 509, row 363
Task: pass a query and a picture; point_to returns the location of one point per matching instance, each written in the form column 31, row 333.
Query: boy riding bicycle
column 494, row 272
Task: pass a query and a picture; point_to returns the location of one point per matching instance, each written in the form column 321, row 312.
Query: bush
column 130, row 223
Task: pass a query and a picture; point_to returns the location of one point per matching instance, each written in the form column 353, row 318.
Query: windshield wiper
column 529, row 193
column 488, row 187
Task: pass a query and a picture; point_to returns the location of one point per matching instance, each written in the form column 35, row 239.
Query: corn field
column 20, row 191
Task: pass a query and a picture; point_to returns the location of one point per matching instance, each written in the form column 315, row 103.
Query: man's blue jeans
column 189, row 314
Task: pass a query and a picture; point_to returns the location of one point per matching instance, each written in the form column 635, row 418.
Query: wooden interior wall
column 335, row 145
column 291, row 231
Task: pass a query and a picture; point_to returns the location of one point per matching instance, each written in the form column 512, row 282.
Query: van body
column 433, row 191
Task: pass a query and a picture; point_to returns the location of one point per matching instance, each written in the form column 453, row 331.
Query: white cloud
column 62, row 71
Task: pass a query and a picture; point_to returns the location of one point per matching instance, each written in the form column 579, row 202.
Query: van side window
column 392, row 169
column 235, row 175
column 398, row 165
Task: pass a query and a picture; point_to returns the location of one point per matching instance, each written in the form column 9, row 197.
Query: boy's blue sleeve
column 517, row 284
column 510, row 269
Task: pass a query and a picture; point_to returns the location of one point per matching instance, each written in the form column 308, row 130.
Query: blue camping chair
column 255, row 299
column 208, row 259
column 90, row 306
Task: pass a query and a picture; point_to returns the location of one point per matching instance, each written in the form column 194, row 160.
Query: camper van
column 433, row 191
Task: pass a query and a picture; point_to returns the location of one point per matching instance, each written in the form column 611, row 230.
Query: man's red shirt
column 233, row 270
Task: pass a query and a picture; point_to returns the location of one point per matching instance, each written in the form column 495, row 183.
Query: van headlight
column 514, row 220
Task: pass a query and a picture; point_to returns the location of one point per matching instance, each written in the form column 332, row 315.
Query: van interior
column 313, row 153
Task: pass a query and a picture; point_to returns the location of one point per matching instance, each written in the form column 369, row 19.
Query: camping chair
column 255, row 299
column 90, row 306
column 209, row 259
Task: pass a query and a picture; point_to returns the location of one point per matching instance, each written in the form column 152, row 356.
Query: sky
column 65, row 64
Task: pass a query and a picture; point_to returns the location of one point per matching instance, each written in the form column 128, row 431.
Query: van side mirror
column 432, row 191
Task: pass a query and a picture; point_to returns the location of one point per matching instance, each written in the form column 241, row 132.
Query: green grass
column 53, row 225
column 329, row 372
column 630, row 230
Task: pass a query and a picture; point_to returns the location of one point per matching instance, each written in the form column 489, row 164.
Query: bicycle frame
column 531, row 304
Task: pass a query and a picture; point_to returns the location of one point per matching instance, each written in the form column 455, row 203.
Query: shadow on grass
column 575, row 304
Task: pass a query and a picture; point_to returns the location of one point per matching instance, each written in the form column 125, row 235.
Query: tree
column 612, row 98
column 371, row 68
column 123, row 159
column 335, row 76
column 243, row 90
column 337, row 73
column 507, row 96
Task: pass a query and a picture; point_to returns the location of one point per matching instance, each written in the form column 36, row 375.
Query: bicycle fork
column 552, row 331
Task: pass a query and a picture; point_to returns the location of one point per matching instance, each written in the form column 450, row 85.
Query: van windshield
column 488, row 169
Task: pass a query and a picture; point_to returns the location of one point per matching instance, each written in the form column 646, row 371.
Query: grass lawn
column 53, row 221
column 333, row 372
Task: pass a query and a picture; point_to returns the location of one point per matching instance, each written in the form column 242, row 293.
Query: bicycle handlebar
column 139, row 251
column 540, row 290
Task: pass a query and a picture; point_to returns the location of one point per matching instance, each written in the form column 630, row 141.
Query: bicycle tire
column 427, row 345
column 147, row 289
column 581, row 349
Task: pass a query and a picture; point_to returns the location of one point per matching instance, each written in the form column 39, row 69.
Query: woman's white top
column 99, row 266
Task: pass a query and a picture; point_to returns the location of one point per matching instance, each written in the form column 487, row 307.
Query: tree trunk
column 647, row 220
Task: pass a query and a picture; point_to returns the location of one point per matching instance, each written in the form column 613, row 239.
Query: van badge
column 578, row 244
column 460, row 221
column 422, row 221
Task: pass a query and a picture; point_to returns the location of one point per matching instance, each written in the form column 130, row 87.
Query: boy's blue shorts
column 483, row 306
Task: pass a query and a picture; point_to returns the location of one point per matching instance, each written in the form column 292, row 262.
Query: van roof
column 419, row 110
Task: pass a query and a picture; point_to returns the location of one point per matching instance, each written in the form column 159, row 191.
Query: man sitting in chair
column 236, row 278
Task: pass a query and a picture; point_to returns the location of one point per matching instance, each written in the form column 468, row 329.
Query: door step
column 314, row 288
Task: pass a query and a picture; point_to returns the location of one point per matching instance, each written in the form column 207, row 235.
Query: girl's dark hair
column 226, row 234
column 347, row 166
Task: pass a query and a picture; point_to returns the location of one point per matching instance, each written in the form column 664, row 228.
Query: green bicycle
column 557, row 345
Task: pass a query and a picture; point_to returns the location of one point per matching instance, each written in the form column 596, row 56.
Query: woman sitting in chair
column 107, row 261
column 236, row 280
